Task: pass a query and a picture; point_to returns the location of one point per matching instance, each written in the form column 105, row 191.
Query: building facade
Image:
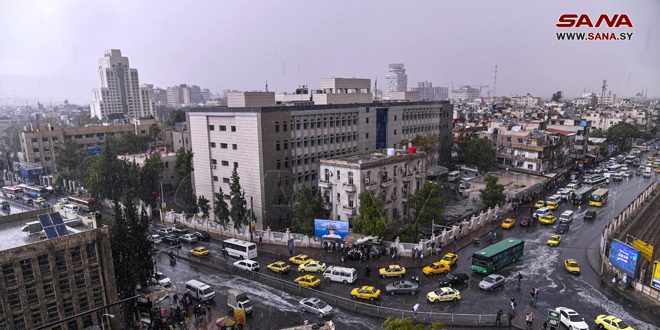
column 277, row 149
column 394, row 177
column 184, row 95
column 396, row 79
column 40, row 144
column 167, row 158
column 52, row 280
column 465, row 93
column 429, row 93
column 120, row 93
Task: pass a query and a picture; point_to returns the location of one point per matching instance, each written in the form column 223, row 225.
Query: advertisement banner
column 644, row 248
column 625, row 258
column 655, row 279
column 330, row 228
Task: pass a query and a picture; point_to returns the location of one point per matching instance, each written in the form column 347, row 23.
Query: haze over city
column 50, row 48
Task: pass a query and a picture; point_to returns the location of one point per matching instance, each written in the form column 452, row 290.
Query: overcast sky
column 49, row 49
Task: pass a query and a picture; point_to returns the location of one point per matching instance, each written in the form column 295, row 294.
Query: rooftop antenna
column 376, row 89
column 495, row 81
column 266, row 85
column 602, row 92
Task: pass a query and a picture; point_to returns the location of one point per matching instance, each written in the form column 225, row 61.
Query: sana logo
column 604, row 20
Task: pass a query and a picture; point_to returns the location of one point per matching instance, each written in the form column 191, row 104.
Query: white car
column 316, row 306
column 160, row 279
column 571, row 319
column 627, row 174
column 189, row 238
column 155, row 239
column 247, row 264
column 563, row 193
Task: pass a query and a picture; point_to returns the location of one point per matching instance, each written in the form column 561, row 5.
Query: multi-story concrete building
column 393, row 176
column 40, row 144
column 581, row 128
column 120, row 93
column 184, row 95
column 332, row 91
column 180, row 137
column 526, row 101
column 158, row 95
column 277, row 149
column 429, row 93
column 52, row 280
column 167, row 158
column 528, row 147
column 396, row 79
column 465, row 93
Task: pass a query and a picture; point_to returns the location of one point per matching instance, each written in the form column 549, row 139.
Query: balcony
column 384, row 183
column 325, row 184
column 348, row 207
column 349, row 187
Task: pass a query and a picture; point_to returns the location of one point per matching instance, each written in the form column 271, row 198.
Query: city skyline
column 47, row 54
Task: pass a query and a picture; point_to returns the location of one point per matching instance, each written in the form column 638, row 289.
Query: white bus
column 240, row 249
column 453, row 176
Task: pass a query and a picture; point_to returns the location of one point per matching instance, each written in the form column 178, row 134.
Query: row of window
column 320, row 140
column 222, row 128
column 234, row 146
column 318, row 122
column 424, row 114
column 223, row 163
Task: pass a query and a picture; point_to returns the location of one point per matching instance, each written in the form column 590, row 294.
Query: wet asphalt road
column 541, row 267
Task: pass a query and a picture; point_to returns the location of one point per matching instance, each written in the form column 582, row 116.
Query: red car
column 524, row 222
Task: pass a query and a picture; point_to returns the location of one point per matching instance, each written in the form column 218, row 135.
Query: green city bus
column 497, row 256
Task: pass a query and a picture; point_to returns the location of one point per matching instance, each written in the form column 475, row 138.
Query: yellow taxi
column 539, row 204
column 200, row 251
column 508, row 223
column 572, row 266
column 392, row 271
column 307, row 281
column 548, row 219
column 449, row 259
column 611, row 322
column 436, row 268
column 300, row 259
column 443, row 294
column 39, row 200
column 554, row 240
column 552, row 202
column 279, row 267
column 312, row 266
column 366, row 292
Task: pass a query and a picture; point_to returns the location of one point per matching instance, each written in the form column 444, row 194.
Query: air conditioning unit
column 366, row 181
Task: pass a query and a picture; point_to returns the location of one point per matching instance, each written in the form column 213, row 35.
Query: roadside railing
column 346, row 303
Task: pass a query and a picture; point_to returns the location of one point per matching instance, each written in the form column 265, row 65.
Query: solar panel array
column 53, row 225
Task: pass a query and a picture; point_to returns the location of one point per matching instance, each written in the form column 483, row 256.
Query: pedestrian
column 537, row 291
column 545, row 325
column 306, row 322
column 528, row 320
column 415, row 308
column 176, row 298
column 261, row 238
column 532, row 293
column 519, row 277
column 510, row 318
column 498, row 320
column 513, row 303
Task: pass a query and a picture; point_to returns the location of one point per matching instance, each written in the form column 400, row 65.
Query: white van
column 541, row 212
column 453, row 176
column 247, row 264
column 199, row 290
column 72, row 208
column 567, row 216
column 340, row 274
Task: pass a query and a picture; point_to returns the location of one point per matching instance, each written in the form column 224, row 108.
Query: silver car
column 491, row 282
column 316, row 306
column 160, row 279
column 404, row 286
column 189, row 238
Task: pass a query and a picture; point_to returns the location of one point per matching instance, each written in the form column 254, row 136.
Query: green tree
column 151, row 174
column 370, row 219
column 220, row 209
column 623, row 131
column 154, row 133
column 176, row 116
column 183, row 169
column 204, row 206
column 69, row 157
column 557, row 96
column 479, row 153
column 308, row 206
column 427, row 206
column 406, row 323
column 239, row 209
column 85, row 118
column 493, row 194
column 597, row 133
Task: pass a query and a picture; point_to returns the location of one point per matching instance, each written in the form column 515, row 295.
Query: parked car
column 392, row 270
column 189, row 238
column 202, row 235
column 5, row 205
column 155, row 239
column 179, row 231
column 403, row 287
column 160, row 279
column 171, row 240
column 316, row 306
column 453, row 279
column 590, row 215
column 571, row 319
column 491, row 282
column 164, row 231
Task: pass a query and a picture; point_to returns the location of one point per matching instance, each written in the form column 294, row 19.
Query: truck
column 581, row 196
column 238, row 299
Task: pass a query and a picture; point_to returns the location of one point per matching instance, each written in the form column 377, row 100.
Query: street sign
column 645, row 249
column 553, row 318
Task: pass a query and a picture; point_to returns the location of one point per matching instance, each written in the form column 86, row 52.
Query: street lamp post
column 110, row 316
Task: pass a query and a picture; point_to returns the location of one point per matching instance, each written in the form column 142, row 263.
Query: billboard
column 644, row 248
column 330, row 228
column 655, row 279
column 624, row 257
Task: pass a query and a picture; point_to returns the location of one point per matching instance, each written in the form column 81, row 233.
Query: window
column 233, row 128
column 225, row 180
column 35, row 316
column 76, row 257
column 395, row 118
column 98, row 296
column 215, row 178
column 64, row 283
column 26, row 269
column 31, row 294
column 367, row 120
column 214, row 162
column 13, row 298
column 234, row 146
column 34, row 139
column 212, row 144
column 225, row 163
column 278, row 164
column 211, row 128
column 80, row 279
column 49, row 290
column 9, row 274
column 67, row 305
column 35, row 149
column 223, row 128
column 284, row 127
column 366, row 135
column 51, row 310
column 83, row 301
column 394, row 132
column 235, row 164
column 223, row 146
column 338, row 175
column 44, row 264
column 277, row 127
column 277, row 145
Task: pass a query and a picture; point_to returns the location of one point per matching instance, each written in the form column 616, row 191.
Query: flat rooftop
column 11, row 234
column 371, row 159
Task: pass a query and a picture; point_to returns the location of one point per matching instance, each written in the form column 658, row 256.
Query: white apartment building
column 120, row 93
column 184, row 95
column 526, row 101
column 396, row 79
column 465, row 93
column 277, row 149
column 429, row 93
column 394, row 176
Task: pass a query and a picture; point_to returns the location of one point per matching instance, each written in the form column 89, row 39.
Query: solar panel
column 45, row 220
column 57, row 218
column 51, row 232
column 61, row 230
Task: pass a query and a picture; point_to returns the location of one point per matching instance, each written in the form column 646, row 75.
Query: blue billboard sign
column 584, row 123
column 624, row 257
column 330, row 228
